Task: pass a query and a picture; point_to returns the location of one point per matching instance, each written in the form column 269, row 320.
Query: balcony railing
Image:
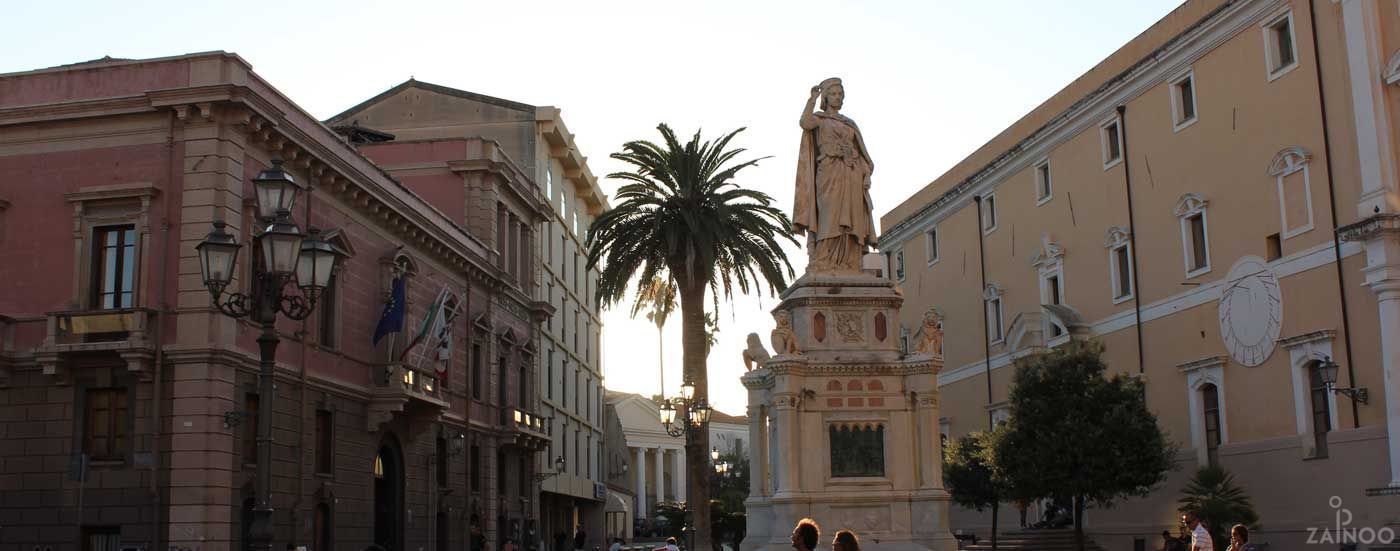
column 125, row 333
column 98, row 326
column 528, row 428
column 403, row 389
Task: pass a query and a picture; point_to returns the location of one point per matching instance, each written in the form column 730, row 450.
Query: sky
column 928, row 81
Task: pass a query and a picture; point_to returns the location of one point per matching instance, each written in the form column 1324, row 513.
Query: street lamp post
column 286, row 255
column 694, row 420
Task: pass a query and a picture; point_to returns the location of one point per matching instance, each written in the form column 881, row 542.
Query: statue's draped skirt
column 844, row 226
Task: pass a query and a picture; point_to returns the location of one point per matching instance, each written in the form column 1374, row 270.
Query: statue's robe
column 832, row 196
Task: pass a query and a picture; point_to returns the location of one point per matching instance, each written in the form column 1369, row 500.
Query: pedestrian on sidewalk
column 1200, row 537
column 670, row 546
column 845, row 541
column 1239, row 539
column 805, row 535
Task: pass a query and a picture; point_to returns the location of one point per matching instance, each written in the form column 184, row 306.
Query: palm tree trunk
column 697, row 457
column 1079, row 523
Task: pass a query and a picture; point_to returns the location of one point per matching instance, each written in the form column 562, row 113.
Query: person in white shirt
column 616, row 545
column 1200, row 537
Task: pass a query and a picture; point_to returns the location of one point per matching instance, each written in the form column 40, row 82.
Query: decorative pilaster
column 1380, row 235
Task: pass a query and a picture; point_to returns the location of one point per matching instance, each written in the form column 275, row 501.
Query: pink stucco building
column 127, row 403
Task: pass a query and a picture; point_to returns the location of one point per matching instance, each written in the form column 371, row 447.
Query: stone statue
column 755, row 353
column 784, row 341
column 833, row 207
column 929, row 339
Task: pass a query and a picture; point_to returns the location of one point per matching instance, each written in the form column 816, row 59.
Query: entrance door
column 388, row 497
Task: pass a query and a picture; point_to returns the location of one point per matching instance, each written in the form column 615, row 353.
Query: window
column 250, row 428
column 101, row 538
column 476, row 469
column 1111, row 136
column 325, row 442
column 104, row 431
column 326, row 314
column 899, row 264
column 114, row 267
column 1052, row 292
column 548, row 183
column 1183, row 91
column 1273, row 247
column 440, row 457
column 1294, row 187
column 1321, row 409
column 1043, row 189
column 994, row 322
column 1120, row 263
column 524, row 387
column 549, row 374
column 501, row 236
column 1210, row 402
column 857, row 451
column 444, row 531
column 564, row 383
column 1280, row 56
column 989, row 213
column 904, row 340
column 1195, row 234
column 323, row 523
column 1122, row 273
column 931, row 245
column 476, row 371
column 523, row 482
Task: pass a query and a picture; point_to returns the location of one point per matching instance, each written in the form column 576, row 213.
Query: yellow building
column 1222, row 216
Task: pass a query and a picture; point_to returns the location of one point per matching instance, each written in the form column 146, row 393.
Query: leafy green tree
column 680, row 217
column 1078, row 436
column 728, row 521
column 1218, row 502
column 971, row 473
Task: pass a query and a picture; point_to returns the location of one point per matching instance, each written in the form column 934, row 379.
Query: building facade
column 656, row 460
column 1214, row 203
column 128, row 403
column 567, row 379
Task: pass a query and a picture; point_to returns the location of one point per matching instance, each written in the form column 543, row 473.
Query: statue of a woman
column 833, row 185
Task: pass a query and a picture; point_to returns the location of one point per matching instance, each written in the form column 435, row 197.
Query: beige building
column 569, row 378
column 1216, row 202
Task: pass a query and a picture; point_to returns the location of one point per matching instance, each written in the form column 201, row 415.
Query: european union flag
column 392, row 319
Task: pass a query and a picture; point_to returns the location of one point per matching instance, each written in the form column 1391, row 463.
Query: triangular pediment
column 414, row 100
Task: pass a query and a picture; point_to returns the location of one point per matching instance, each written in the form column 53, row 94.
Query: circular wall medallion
column 1251, row 311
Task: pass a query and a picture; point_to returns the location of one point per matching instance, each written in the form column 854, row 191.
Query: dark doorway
column 388, row 497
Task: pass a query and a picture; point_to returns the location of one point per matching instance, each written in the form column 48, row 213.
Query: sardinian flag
column 436, row 331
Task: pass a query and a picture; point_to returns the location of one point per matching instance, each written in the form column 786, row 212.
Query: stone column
column 1388, row 300
column 639, row 455
column 660, row 474
column 758, row 452
column 679, row 478
column 789, row 461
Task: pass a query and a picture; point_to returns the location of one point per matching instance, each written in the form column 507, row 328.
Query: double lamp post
column 694, row 420
column 284, row 255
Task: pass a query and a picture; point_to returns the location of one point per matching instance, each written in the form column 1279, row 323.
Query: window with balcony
column 114, row 267
column 104, row 427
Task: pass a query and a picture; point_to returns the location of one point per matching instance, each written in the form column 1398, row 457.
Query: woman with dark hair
column 845, row 541
column 1239, row 539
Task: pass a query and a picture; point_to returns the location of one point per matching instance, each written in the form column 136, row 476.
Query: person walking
column 616, row 545
column 805, row 535
column 670, row 546
column 561, row 540
column 580, row 539
column 845, row 540
column 1239, row 539
column 1200, row 537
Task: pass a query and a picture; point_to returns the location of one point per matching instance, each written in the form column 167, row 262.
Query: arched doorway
column 388, row 496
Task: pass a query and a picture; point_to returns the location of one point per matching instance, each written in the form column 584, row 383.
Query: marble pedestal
column 846, row 372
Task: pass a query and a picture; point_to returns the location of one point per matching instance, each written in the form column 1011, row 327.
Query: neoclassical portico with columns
column 656, row 459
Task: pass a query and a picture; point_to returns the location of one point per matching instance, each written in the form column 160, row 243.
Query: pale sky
column 928, row 82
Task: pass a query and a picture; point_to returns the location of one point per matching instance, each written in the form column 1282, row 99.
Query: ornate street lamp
column 1328, row 370
column 286, row 254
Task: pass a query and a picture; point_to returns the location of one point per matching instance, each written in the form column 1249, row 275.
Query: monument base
column 844, row 422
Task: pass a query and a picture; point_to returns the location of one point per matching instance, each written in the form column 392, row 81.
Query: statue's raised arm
column 832, row 204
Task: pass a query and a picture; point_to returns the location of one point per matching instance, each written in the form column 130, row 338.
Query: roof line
column 415, row 83
column 966, row 183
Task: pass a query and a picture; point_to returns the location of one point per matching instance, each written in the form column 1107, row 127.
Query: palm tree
column 1215, row 498
column 682, row 218
column 658, row 297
